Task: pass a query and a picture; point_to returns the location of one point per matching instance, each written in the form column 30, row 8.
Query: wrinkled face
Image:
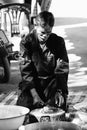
column 43, row 33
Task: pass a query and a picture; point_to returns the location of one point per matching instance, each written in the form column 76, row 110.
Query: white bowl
column 12, row 116
column 43, row 116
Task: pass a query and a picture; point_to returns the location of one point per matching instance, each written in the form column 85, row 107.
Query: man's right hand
column 36, row 97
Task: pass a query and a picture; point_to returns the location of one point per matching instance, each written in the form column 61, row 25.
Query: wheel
column 5, row 66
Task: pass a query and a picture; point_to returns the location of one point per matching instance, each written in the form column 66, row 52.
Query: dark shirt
column 41, row 61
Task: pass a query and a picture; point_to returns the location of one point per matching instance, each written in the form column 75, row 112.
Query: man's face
column 43, row 33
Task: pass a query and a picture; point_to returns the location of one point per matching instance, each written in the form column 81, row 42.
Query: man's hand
column 36, row 97
column 62, row 66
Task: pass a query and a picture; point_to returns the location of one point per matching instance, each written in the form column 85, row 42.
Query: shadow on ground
column 14, row 80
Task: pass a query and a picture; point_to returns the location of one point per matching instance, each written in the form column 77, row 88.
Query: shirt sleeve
column 62, row 65
column 27, row 68
column 62, row 50
column 62, row 58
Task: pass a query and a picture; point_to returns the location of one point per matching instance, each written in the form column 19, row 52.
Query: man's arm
column 28, row 70
column 62, row 60
column 62, row 67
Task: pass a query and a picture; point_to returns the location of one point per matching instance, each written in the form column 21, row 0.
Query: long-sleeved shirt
column 41, row 60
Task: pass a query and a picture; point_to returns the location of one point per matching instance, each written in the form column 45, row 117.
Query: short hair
column 45, row 18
